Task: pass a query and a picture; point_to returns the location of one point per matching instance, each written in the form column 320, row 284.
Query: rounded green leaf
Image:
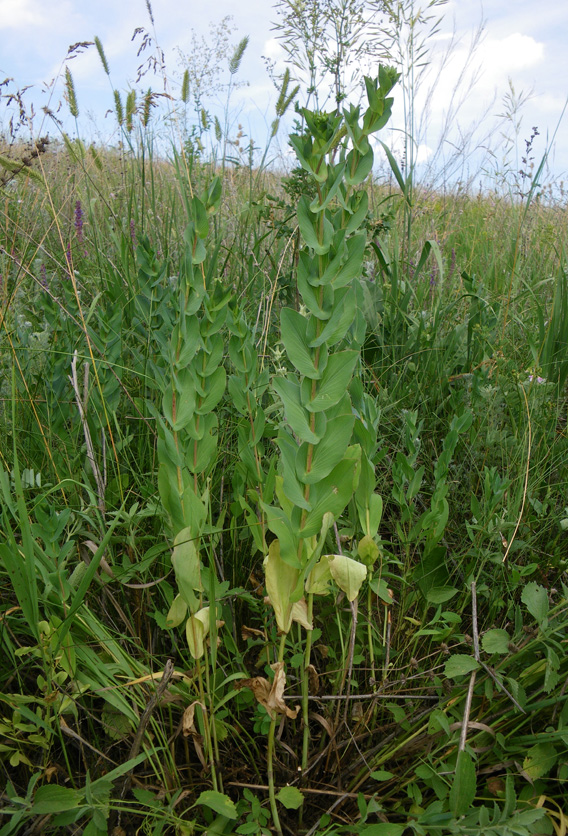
column 218, row 802
column 495, row 641
column 290, row 797
column 459, row 665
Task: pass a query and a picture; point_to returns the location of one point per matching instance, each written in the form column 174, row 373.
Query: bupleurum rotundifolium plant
column 323, row 464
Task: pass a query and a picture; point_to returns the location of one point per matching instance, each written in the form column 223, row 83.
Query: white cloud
column 503, row 56
column 19, row 14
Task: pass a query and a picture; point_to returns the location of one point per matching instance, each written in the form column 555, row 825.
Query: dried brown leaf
column 271, row 694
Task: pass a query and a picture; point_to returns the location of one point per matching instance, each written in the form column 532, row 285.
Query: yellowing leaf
column 177, row 612
column 317, row 582
column 281, row 581
column 539, row 761
column 348, row 574
column 300, row 614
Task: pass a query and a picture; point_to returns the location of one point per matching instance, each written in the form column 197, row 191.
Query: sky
column 504, row 73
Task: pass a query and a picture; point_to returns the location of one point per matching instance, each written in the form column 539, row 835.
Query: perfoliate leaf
column 308, row 222
column 338, row 324
column 464, row 785
column 317, row 582
column 367, row 550
column 186, row 563
column 328, row 453
column 177, row 612
column 459, row 664
column 290, row 797
column 293, row 333
column 196, row 630
column 300, row 614
column 332, row 494
column 334, row 382
column 495, row 641
column 296, row 415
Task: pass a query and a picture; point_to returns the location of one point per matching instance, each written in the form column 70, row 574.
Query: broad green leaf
column 347, row 573
column 441, row 594
column 367, row 550
column 200, row 454
column 196, row 631
column 334, row 382
column 291, row 485
column 332, row 494
column 214, row 388
column 178, row 407
column 359, row 205
column 382, row 775
column 334, row 180
column 290, row 797
column 186, row 563
column 539, row 761
column 320, row 305
column 184, row 342
column 201, row 426
column 52, row 798
column 218, row 802
column 354, row 264
column 289, row 393
column 535, row 598
column 358, row 167
column 370, row 513
column 279, row 523
column 383, row 829
column 293, row 328
column 328, row 453
column 200, row 218
column 438, row 721
column 381, row 588
column 464, row 786
column 281, row 581
column 495, row 641
column 340, row 320
column 459, row 664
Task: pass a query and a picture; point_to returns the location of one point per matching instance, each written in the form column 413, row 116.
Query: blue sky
column 522, row 49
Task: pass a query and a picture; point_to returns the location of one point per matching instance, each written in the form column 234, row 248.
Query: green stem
column 305, row 685
column 370, row 634
column 270, row 754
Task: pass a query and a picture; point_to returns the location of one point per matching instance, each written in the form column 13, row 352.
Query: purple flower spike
column 79, row 221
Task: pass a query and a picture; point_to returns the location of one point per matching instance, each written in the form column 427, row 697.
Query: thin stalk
column 305, row 685
column 370, row 635
column 270, row 753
